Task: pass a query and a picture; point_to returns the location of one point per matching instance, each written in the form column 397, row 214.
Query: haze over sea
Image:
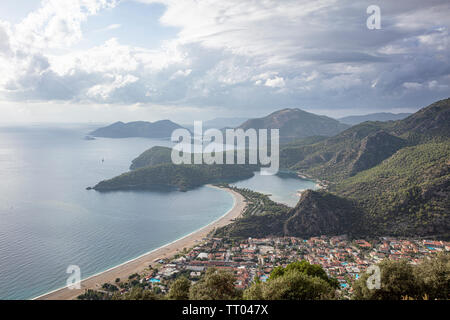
column 48, row 220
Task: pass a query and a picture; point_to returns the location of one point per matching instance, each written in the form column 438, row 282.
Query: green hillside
column 384, row 178
column 183, row 177
column 356, row 149
column 153, row 156
column 409, row 192
column 389, row 178
column 406, row 195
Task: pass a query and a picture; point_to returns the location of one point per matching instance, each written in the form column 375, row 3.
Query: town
column 251, row 259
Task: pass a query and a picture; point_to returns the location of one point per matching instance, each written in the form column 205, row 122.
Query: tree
column 215, row 285
column 292, row 285
column 136, row 293
column 397, row 280
column 180, row 289
column 313, row 270
column 92, row 295
column 434, row 277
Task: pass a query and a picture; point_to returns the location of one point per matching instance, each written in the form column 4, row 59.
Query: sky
column 186, row 60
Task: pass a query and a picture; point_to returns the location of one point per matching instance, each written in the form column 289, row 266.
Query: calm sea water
column 282, row 188
column 48, row 220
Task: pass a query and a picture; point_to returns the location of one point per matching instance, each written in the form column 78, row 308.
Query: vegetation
column 356, row 149
column 407, row 193
column 153, row 156
column 179, row 289
column 385, row 178
column 215, row 285
column 136, row 293
column 312, row 270
column 400, row 280
column 93, row 295
column 183, row 177
column 261, row 217
column 298, row 281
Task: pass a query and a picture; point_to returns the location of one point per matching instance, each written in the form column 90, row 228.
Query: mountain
column 356, row 149
column 432, row 122
column 381, row 116
column 319, row 212
column 182, row 177
column 386, row 178
column 159, row 155
column 296, row 123
column 153, row 156
column 158, row 129
column 407, row 194
column 367, row 144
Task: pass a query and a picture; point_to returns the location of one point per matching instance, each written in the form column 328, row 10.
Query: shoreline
column 144, row 261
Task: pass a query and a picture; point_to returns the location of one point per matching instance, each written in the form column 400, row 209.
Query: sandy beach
column 139, row 264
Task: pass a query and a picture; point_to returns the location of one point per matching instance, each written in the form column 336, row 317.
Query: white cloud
column 181, row 74
column 57, row 23
column 103, row 91
column 233, row 54
column 277, row 82
column 412, row 85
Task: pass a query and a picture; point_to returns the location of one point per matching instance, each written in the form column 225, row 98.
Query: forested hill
column 367, row 144
column 182, row 177
column 384, row 179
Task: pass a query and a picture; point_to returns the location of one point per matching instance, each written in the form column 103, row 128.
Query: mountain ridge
column 379, row 116
column 405, row 192
column 143, row 129
column 295, row 123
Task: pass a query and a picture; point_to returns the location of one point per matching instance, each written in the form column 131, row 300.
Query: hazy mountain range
column 293, row 124
column 382, row 178
column 382, row 116
column 158, row 129
column 296, row 123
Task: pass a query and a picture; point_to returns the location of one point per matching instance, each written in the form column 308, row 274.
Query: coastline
column 140, row 263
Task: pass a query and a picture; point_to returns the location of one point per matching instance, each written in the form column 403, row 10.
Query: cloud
column 57, row 23
column 234, row 54
column 277, row 82
column 412, row 85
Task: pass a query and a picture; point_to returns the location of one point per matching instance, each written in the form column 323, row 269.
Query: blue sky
column 109, row 60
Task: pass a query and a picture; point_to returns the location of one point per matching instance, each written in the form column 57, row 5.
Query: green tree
column 397, row 280
column 92, row 295
column 313, row 270
column 434, row 277
column 215, row 285
column 180, row 289
column 292, row 285
column 136, row 293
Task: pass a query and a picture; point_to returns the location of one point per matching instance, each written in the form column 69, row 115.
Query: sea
column 49, row 221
